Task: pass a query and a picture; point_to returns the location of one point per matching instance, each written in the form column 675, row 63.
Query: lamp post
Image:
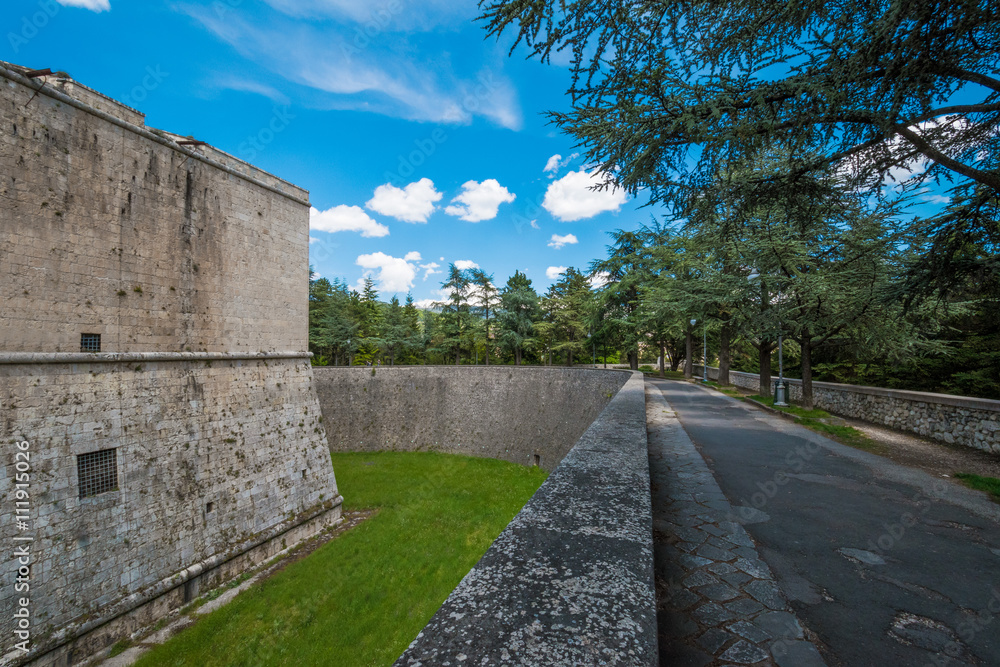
column 348, row 351
column 779, row 390
column 693, row 322
column 704, row 352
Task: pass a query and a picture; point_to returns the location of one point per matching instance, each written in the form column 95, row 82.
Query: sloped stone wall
column 501, row 412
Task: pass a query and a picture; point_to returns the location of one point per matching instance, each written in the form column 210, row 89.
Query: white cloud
column 313, row 239
column 465, row 264
column 93, row 5
column 534, row 224
column 365, row 58
column 571, row 197
column 391, row 274
column 427, row 304
column 430, row 269
column 345, row 219
column 555, row 163
column 554, row 272
column 480, row 201
column 251, row 86
column 559, row 241
column 413, row 203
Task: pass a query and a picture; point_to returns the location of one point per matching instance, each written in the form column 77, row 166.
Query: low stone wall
column 526, row 415
column 570, row 580
column 973, row 422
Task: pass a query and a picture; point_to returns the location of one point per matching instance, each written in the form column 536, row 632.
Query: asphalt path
column 886, row 564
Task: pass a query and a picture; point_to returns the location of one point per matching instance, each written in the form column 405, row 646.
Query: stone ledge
column 570, row 580
column 148, row 357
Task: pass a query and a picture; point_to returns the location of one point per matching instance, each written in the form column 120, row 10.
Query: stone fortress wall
column 192, row 267
column 570, row 580
column 972, row 422
column 503, row 412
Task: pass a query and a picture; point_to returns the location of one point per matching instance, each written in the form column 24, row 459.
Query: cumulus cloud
column 555, row 163
column 430, row 269
column 480, row 201
column 92, row 5
column 554, row 272
column 534, row 224
column 413, row 203
column 571, row 197
column 465, row 264
column 559, row 241
column 345, row 219
column 391, row 274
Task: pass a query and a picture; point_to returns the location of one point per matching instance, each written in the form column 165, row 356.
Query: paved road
column 885, row 564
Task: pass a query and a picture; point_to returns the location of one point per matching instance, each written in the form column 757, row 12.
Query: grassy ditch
column 816, row 420
column 728, row 390
column 990, row 485
column 361, row 598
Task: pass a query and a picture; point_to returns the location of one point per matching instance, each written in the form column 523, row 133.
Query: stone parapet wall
column 570, row 580
column 503, row 412
column 972, row 422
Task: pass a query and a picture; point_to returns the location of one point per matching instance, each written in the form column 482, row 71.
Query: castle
column 160, row 426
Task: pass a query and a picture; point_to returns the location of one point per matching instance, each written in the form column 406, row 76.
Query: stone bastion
column 570, row 580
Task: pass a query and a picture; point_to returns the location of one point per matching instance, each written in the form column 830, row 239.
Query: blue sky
column 421, row 142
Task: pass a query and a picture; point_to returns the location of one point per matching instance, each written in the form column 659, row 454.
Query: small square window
column 97, row 472
column 90, row 342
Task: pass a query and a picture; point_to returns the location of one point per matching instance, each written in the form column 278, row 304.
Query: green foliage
column 362, row 598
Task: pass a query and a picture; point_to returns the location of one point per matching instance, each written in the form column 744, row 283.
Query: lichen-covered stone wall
column 502, row 412
column 570, row 580
column 194, row 271
column 973, row 422
column 210, row 455
column 109, row 229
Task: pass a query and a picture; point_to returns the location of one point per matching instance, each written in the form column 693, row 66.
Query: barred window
column 97, row 472
column 90, row 342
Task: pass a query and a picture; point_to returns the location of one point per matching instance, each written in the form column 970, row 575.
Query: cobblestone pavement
column 718, row 603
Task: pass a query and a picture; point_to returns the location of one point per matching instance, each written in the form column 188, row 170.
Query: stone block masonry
column 972, row 422
column 191, row 446
column 526, row 415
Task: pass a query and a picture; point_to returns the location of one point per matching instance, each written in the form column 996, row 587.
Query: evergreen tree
column 517, row 315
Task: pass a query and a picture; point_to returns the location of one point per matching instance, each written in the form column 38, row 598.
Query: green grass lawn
column 990, row 485
column 361, row 598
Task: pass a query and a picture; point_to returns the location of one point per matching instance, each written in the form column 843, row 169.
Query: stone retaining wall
column 570, row 580
column 527, row 415
column 973, row 422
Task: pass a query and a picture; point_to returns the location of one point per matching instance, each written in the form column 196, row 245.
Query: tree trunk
column 688, row 355
column 807, row 373
column 517, row 356
column 663, row 354
column 458, row 357
column 633, row 360
column 765, row 368
column 487, row 350
column 569, row 357
column 725, row 356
